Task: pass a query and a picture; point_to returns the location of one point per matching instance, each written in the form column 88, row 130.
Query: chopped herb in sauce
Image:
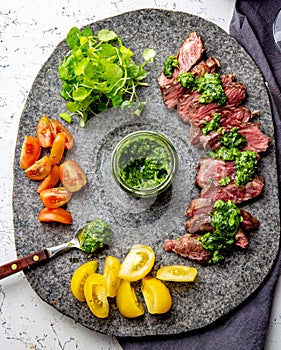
column 246, row 162
column 187, row 80
column 226, row 220
column 170, row 64
column 232, row 139
column 144, row 163
column 212, row 125
column 224, row 180
column 94, row 235
column 209, row 86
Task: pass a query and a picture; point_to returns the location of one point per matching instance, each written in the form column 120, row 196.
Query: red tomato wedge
column 72, row 176
column 58, row 147
column 40, row 169
column 55, row 197
column 30, row 152
column 57, row 127
column 44, row 132
column 50, row 181
column 58, row 215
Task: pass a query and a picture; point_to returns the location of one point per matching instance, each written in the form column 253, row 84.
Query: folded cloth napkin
column 246, row 327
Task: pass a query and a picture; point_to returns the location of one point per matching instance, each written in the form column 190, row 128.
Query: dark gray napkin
column 246, row 327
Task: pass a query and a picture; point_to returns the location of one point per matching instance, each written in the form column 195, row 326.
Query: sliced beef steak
column 189, row 247
column 212, row 170
column 237, row 194
column 189, row 53
column 241, row 240
column 191, row 110
column 172, row 90
column 235, row 116
column 199, row 205
column 199, row 223
column 249, row 221
column 256, row 140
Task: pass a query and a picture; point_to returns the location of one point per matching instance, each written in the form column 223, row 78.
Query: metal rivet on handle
column 35, row 258
column 14, row 266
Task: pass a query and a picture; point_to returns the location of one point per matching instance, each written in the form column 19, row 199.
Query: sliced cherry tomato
column 127, row 302
column 58, row 147
column 40, row 169
column 177, row 273
column 156, row 295
column 95, row 294
column 55, row 197
column 110, row 272
column 72, row 176
column 50, row 181
column 138, row 263
column 44, row 132
column 79, row 278
column 57, row 127
column 30, row 152
column 55, row 215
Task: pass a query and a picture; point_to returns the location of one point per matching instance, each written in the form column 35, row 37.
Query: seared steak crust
column 188, row 246
column 256, row 140
column 237, row 194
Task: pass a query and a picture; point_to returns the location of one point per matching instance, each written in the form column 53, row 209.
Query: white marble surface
column 29, row 31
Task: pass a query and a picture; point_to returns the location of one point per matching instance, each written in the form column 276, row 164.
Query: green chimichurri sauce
column 170, row 64
column 94, row 235
column 209, row 86
column 246, row 162
column 144, row 163
column 226, row 220
column 212, row 125
column 232, row 139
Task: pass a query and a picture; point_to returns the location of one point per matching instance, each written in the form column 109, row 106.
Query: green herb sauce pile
column 226, row 220
column 94, row 235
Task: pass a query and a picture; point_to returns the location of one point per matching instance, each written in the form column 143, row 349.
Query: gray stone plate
column 217, row 290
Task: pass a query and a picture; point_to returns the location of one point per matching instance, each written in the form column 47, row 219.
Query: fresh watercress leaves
column 99, row 73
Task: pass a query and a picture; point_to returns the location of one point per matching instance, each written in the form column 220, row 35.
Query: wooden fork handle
column 20, row 264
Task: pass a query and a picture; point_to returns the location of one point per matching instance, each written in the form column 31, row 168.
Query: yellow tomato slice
column 138, row 263
column 79, row 278
column 95, row 294
column 177, row 273
column 111, row 272
column 156, row 295
column 127, row 302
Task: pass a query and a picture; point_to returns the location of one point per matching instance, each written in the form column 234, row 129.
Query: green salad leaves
column 99, row 73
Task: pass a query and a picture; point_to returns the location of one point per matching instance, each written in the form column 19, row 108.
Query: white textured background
column 29, row 32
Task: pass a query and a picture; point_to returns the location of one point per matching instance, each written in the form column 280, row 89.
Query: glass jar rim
column 150, row 191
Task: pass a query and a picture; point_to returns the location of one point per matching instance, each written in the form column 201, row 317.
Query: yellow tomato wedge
column 177, row 273
column 127, row 302
column 138, row 263
column 95, row 294
column 156, row 295
column 79, row 278
column 111, row 272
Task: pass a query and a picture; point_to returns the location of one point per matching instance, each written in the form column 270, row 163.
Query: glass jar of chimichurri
column 144, row 163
